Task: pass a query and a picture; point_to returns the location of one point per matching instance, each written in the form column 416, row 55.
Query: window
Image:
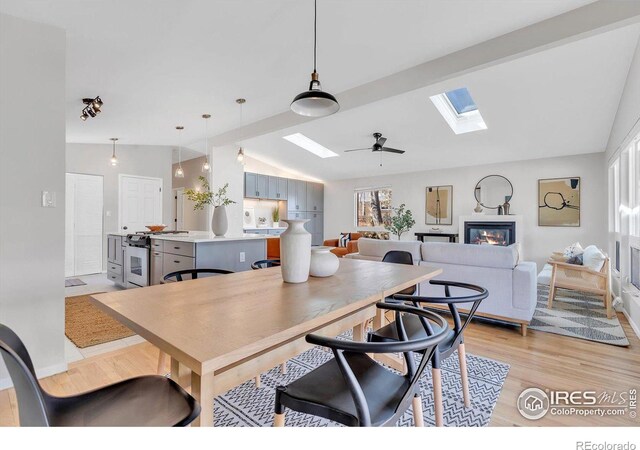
column 634, row 187
column 459, row 110
column 373, row 207
column 461, row 100
column 614, row 194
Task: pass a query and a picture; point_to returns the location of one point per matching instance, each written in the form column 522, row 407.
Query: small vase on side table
column 295, row 252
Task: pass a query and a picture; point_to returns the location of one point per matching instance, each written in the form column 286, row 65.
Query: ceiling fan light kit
column 315, row 102
column 378, row 146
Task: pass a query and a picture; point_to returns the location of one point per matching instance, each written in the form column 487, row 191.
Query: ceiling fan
column 378, row 146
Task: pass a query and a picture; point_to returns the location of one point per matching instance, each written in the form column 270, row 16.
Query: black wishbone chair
column 142, row 401
column 265, row 264
column 178, row 275
column 401, row 257
column 454, row 340
column 353, row 389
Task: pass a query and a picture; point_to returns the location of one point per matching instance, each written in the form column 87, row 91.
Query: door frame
column 120, row 176
column 104, row 236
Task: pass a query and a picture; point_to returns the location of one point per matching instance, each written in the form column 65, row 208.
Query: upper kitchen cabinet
column 256, row 185
column 296, row 195
column 315, row 196
column 277, row 188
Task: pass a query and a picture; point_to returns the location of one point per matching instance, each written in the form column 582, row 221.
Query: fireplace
column 490, row 233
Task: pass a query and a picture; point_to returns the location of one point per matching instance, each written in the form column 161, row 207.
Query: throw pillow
column 573, row 250
column 577, row 260
column 593, row 258
column 344, row 239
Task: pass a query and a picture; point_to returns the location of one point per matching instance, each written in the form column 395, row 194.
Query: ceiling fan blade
column 392, row 150
column 357, row 149
column 381, row 141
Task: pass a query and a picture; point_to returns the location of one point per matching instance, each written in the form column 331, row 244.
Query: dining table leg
column 180, row 373
column 202, row 389
column 358, row 332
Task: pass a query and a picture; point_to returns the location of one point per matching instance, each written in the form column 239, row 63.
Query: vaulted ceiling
column 158, row 64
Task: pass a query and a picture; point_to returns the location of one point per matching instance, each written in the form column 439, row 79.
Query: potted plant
column 275, row 216
column 401, row 222
column 219, row 200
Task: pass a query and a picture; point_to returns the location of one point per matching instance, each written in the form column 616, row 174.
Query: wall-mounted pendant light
column 240, row 157
column 114, row 158
column 315, row 102
column 179, row 173
column 206, row 167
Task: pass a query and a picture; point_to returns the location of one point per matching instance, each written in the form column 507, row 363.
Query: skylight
column 310, row 145
column 461, row 100
column 459, row 110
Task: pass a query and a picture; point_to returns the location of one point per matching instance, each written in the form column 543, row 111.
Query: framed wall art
column 559, row 202
column 439, row 205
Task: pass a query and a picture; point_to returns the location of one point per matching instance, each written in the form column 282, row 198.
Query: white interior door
column 140, row 202
column 83, row 227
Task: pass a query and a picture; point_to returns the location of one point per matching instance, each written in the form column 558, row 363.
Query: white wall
column 32, row 158
column 194, row 220
column 627, row 121
column 538, row 242
column 256, row 166
column 141, row 160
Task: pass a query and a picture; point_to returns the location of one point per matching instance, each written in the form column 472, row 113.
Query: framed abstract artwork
column 559, row 202
column 439, row 205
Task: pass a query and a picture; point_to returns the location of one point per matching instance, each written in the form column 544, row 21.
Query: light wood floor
column 541, row 360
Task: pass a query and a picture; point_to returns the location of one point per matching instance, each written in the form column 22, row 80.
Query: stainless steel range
column 137, row 256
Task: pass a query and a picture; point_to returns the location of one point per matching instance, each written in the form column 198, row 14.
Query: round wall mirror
column 493, row 191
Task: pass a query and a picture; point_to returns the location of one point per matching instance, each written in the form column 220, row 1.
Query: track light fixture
column 92, row 108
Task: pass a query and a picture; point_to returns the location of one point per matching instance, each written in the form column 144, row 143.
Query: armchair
column 580, row 278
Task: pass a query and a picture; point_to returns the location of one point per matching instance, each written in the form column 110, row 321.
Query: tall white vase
column 295, row 252
column 219, row 224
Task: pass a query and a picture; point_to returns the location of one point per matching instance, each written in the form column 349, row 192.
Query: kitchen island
column 194, row 250
column 152, row 256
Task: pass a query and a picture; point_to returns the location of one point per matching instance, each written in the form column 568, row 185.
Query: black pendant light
column 315, row 102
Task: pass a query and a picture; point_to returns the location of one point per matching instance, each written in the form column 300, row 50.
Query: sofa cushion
column 470, row 255
column 376, row 248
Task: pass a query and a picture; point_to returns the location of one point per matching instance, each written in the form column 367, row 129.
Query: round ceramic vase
column 323, row 262
column 295, row 252
column 219, row 224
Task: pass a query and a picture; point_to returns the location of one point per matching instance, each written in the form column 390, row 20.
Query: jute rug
column 248, row 406
column 86, row 325
column 579, row 315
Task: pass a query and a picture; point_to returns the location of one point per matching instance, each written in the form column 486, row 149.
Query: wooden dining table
column 223, row 330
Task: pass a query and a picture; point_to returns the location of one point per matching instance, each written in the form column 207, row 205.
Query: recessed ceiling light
column 311, row 146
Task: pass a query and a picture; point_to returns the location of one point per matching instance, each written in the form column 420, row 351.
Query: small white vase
column 323, row 262
column 276, row 224
column 219, row 224
column 295, row 252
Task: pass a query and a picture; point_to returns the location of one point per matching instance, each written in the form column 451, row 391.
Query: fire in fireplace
column 490, row 233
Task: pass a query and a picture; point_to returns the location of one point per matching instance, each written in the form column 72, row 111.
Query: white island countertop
column 200, row 237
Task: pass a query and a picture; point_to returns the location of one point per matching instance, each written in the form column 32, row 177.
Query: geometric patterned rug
column 248, row 406
column 577, row 314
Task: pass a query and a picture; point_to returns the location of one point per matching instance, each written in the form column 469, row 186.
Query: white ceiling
column 559, row 102
column 160, row 63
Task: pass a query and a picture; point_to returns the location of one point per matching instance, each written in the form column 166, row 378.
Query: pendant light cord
column 315, row 32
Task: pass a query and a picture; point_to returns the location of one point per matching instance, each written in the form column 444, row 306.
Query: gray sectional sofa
column 511, row 283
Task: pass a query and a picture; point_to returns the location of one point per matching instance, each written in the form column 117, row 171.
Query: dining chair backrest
column 265, row 263
column 32, row 400
column 477, row 295
column 398, row 257
column 425, row 345
column 179, row 274
column 401, row 257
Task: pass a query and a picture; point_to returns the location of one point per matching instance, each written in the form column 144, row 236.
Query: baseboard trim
column 6, row 383
column 634, row 326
